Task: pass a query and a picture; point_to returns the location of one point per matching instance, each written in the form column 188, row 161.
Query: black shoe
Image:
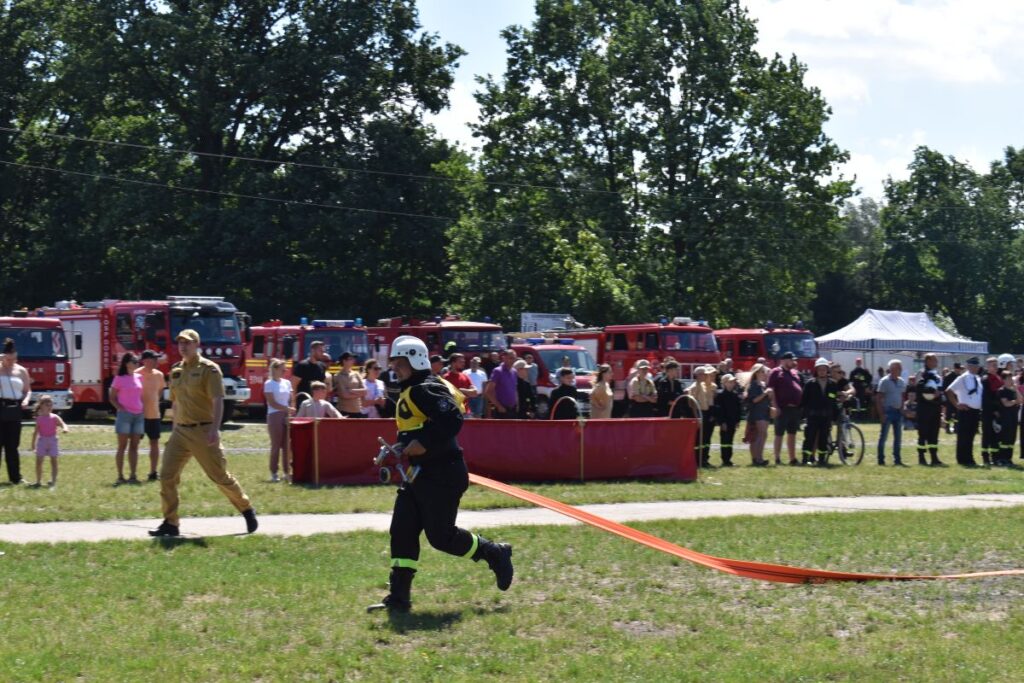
column 152, row 477
column 499, row 559
column 727, row 464
column 937, row 463
column 397, row 600
column 251, row 524
column 391, row 604
column 899, row 463
column 164, row 530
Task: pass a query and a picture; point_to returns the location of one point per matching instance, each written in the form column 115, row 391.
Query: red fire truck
column 442, row 335
column 691, row 343
column 745, row 346
column 550, row 354
column 100, row 332
column 291, row 343
column 43, row 350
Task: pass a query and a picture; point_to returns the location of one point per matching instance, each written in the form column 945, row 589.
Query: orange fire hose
column 778, row 573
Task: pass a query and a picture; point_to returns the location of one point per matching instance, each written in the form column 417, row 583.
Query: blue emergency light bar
column 566, row 342
column 334, row 323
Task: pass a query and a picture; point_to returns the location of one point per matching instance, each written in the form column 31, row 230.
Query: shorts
column 151, row 425
column 132, row 424
column 788, row 421
column 47, row 445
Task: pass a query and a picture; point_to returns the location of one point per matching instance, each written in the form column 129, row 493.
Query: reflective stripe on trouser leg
column 404, row 563
column 472, row 548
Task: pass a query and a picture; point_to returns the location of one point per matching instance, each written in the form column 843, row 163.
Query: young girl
column 44, row 438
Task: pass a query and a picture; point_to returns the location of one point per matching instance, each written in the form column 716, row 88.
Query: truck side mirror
column 288, row 347
column 77, row 343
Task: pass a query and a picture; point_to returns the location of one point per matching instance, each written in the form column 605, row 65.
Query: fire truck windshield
column 474, row 341
column 802, row 345
column 578, row 359
column 337, row 342
column 689, row 341
column 212, row 329
column 37, row 344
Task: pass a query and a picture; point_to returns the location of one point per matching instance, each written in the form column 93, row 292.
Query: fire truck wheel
column 229, row 411
column 76, row 412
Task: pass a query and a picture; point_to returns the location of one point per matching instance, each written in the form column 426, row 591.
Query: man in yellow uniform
column 197, row 394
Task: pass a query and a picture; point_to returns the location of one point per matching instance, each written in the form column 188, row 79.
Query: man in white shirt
column 478, row 377
column 964, row 395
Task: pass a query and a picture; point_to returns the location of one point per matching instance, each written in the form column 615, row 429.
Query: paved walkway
column 306, row 525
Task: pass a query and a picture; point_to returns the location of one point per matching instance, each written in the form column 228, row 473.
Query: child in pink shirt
column 44, row 439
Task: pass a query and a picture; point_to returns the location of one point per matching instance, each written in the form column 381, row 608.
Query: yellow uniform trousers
column 186, row 442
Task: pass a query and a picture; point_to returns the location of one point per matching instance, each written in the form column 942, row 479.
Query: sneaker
column 133, row 480
column 251, row 524
column 35, row 485
column 164, row 530
column 120, row 481
column 51, row 485
column 152, row 477
column 274, row 479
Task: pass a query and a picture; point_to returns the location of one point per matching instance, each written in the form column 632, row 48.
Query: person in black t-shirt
column 860, row 378
column 564, row 410
column 670, row 387
column 312, row 369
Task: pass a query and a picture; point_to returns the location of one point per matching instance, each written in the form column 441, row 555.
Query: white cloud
column 838, row 84
column 453, row 123
column 958, row 41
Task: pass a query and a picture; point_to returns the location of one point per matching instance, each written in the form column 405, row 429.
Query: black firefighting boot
column 499, row 559
column 935, row 457
column 921, row 460
column 397, row 600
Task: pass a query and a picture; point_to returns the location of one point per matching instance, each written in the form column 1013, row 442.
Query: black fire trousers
column 928, row 431
column 430, row 504
column 10, row 440
column 816, row 433
column 966, row 429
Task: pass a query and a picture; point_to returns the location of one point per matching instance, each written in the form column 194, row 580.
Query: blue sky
column 941, row 73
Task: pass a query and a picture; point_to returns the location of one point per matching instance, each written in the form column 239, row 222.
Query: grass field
column 585, row 606
column 86, row 492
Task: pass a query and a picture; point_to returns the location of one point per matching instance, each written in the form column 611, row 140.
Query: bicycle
column 849, row 439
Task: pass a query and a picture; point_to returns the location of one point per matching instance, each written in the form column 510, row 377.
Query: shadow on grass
column 171, row 542
column 422, row 621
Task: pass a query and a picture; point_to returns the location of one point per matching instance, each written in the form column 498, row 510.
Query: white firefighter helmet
column 822, row 363
column 1005, row 359
column 412, row 348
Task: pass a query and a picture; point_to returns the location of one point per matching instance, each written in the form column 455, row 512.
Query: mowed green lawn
column 86, row 488
column 586, row 605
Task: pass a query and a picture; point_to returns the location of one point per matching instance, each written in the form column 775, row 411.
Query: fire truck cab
column 745, row 346
column 690, row 343
column 550, row 354
column 442, row 335
column 291, row 344
column 100, row 332
column 43, row 350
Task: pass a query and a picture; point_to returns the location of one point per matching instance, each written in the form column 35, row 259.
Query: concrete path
column 306, row 525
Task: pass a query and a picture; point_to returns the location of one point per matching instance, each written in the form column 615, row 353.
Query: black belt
column 10, row 402
column 196, row 424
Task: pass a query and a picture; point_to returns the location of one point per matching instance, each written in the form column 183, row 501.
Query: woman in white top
column 375, row 397
column 277, row 393
column 15, row 393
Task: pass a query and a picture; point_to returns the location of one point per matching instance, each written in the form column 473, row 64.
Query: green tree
column 323, row 83
column 656, row 131
column 951, row 247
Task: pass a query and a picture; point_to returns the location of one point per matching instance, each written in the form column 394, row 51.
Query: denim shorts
column 129, row 423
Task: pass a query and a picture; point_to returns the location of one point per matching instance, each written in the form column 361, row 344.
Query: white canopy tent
column 897, row 331
column 879, row 336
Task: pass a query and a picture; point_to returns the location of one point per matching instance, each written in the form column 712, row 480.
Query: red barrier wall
column 334, row 451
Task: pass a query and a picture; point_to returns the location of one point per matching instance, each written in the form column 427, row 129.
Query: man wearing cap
column 641, row 392
column 152, row 386
column 350, row 386
column 892, row 389
column 197, row 394
column 964, row 395
column 860, row 377
column 787, row 393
